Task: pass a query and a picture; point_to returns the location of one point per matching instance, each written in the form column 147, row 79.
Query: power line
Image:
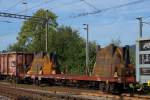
column 6, row 21
column 35, row 6
column 89, row 4
column 12, row 15
column 148, row 23
column 13, row 5
column 146, row 17
column 109, row 8
column 69, row 3
column 72, row 2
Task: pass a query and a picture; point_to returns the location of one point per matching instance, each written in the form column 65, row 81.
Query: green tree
column 132, row 54
column 65, row 41
column 32, row 35
column 71, row 49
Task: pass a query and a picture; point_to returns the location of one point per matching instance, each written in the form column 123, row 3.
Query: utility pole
column 87, row 48
column 140, row 26
column 46, row 27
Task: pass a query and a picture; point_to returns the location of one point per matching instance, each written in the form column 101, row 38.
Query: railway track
column 17, row 93
column 31, row 92
column 28, row 94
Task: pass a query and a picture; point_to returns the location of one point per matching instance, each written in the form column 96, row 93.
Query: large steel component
column 43, row 64
column 114, row 62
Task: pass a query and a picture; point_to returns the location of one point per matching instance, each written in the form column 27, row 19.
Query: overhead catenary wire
column 12, row 15
column 90, row 5
column 109, row 8
column 13, row 6
column 18, row 16
column 148, row 23
column 35, row 6
column 6, row 21
column 68, row 3
column 146, row 17
column 71, row 2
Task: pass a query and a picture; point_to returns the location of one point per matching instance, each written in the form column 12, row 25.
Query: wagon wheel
column 101, row 86
column 111, row 88
column 107, row 87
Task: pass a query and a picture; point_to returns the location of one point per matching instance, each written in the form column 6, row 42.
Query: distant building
column 143, row 60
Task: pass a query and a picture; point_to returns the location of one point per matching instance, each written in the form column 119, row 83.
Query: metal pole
column 137, row 50
column 46, row 44
column 87, row 48
column 140, row 26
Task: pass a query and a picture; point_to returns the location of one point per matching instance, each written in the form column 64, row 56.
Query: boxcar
column 14, row 64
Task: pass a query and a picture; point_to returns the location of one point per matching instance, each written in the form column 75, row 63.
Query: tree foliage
column 32, row 35
column 132, row 54
column 67, row 43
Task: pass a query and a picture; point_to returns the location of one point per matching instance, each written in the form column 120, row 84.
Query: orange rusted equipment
column 43, row 64
column 113, row 61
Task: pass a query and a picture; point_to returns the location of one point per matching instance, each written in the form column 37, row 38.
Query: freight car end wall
column 14, row 63
column 113, row 61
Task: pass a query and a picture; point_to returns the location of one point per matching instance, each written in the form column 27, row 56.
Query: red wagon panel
column 14, row 63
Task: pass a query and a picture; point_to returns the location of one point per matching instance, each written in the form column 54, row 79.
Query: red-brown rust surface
column 12, row 60
column 77, row 77
column 74, row 77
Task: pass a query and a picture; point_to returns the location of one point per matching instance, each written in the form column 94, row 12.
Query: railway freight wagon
column 14, row 64
column 112, row 71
